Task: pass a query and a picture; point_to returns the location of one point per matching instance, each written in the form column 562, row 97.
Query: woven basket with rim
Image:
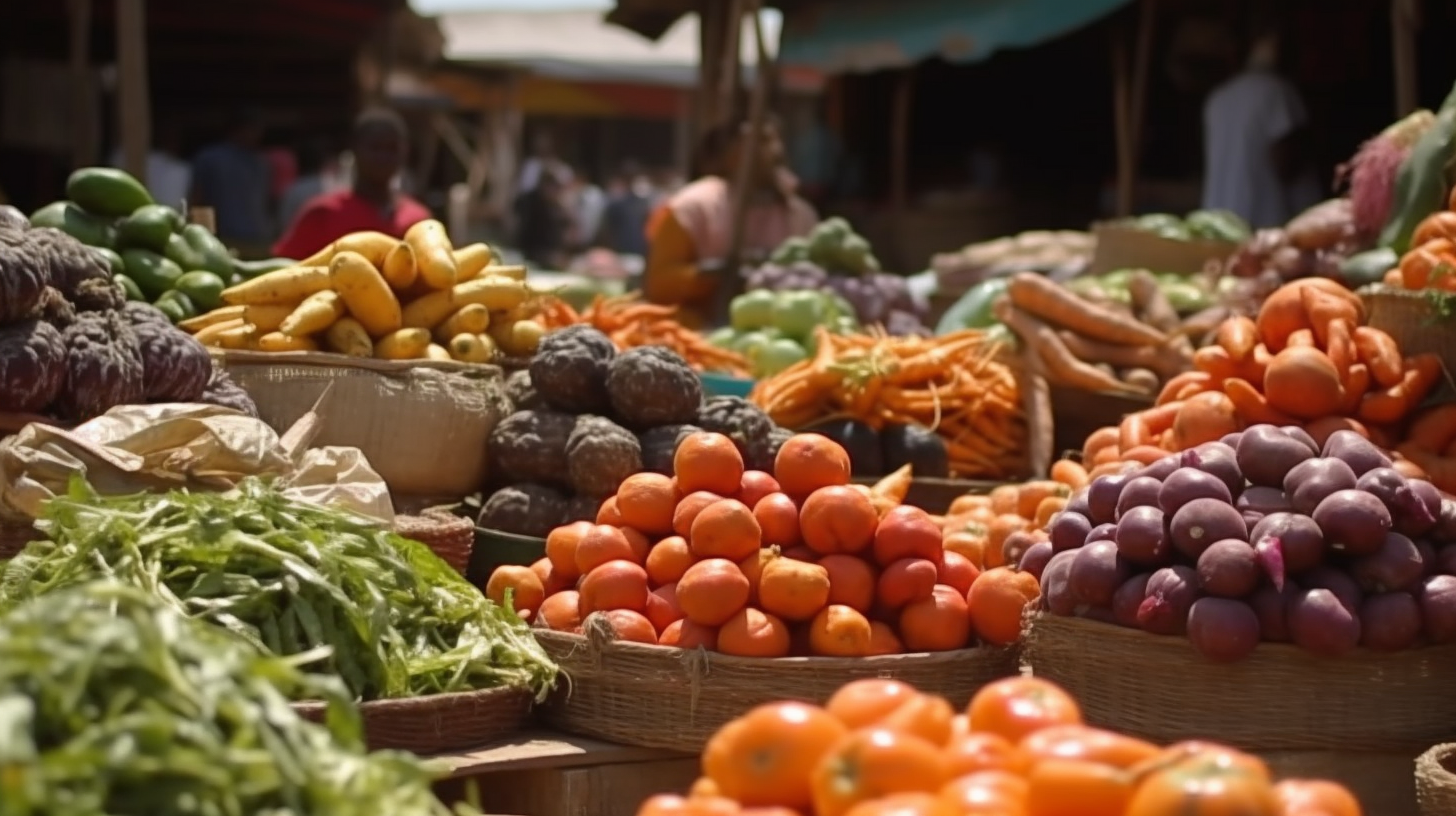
column 439, row 722
column 1436, row 780
column 1412, row 320
column 656, row 697
column 449, row 536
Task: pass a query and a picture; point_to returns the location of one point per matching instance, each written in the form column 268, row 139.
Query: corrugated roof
column 579, row 44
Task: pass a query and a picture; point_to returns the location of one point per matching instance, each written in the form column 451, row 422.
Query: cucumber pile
column 152, row 252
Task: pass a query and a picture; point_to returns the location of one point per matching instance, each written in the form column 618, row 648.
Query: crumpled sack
column 135, row 448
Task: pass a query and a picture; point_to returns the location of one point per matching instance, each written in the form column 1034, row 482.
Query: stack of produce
column 1199, row 225
column 372, row 295
column 1092, row 347
column 154, row 256
column 587, row 417
column 1372, row 172
column 956, row 385
column 1263, row 535
column 834, row 259
column 1059, row 255
column 72, row 346
column 879, row 748
column 774, row 330
column 1308, row 359
column 1323, row 242
column 1431, row 261
column 996, row 530
column 895, row 445
column 759, row 564
column 1430, row 443
column 630, row 323
column 112, row 702
column 291, row 578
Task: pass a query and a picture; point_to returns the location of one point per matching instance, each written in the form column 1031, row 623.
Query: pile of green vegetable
column 156, row 257
column 290, row 577
column 1199, row 225
column 112, row 703
column 774, row 330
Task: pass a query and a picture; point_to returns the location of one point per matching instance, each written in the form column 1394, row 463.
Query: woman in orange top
column 688, row 236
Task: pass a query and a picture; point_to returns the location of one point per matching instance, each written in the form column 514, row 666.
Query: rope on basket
column 696, row 665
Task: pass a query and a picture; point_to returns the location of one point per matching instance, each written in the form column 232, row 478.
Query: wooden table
column 543, row 773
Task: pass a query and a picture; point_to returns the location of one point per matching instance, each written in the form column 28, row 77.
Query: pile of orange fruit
column 753, row 564
column 880, row 748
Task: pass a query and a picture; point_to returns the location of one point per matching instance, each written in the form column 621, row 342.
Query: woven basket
column 14, row 538
column 1279, row 699
column 439, row 722
column 1076, row 414
column 1380, row 780
column 1412, row 320
column 657, row 697
column 449, row 536
column 1436, row 781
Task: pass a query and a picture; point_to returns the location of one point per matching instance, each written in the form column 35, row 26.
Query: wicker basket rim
column 426, row 702
column 1432, row 763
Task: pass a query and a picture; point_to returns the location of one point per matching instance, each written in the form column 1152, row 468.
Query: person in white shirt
column 1253, row 128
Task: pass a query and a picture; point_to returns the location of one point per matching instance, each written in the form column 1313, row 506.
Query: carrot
column 1216, row 362
column 1323, row 429
column 1188, row 378
column 1255, row 367
column 1049, row 506
column 1301, row 338
column 1049, row 301
column 1324, row 310
column 1164, row 359
column 1395, row 403
column 895, row 486
column 1238, row 336
column 1340, row 345
column 1116, row 466
column 1380, row 353
column 1434, row 429
column 1149, row 302
column 1144, row 454
column 1133, row 431
column 1069, row 473
column 1060, row 365
column 1032, row 493
column 1251, row 406
column 1097, row 441
column 1356, row 383
column 1438, row 470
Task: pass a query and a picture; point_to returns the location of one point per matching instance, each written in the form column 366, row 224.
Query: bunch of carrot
column 958, row 385
column 1307, row 360
column 1096, row 347
column 631, row 323
column 1431, row 261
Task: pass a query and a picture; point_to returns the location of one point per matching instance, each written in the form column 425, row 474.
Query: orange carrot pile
column 1431, row 444
column 955, row 384
column 631, row 323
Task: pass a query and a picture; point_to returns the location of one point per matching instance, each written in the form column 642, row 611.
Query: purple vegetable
column 1203, row 521
column 1141, row 491
column 1353, row 521
column 1257, row 502
column 1356, row 451
column 1309, row 482
column 1140, row 537
column 1102, row 496
column 1286, row 544
column 1171, row 592
column 1068, row 530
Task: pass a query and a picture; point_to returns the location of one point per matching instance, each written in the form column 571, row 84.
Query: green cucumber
column 148, row 228
column 75, row 222
column 252, row 269
column 176, row 306
column 111, row 258
column 179, row 252
column 203, row 288
column 152, row 272
column 107, row 191
column 214, row 254
column 129, row 286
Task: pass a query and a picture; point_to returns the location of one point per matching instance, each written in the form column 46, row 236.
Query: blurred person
column 542, row 156
column 379, row 145
column 317, row 174
column 631, row 198
column 543, row 221
column 169, row 178
column 232, row 177
column 688, row 235
column 1255, row 131
column 588, row 204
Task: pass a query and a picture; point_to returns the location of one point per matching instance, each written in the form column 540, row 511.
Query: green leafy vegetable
column 291, row 577
column 113, row 703
column 1424, row 179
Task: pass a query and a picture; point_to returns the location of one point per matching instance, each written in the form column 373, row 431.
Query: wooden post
column 1404, row 22
column 711, row 16
column 730, row 281
column 1122, row 123
column 903, row 105
column 1141, row 66
column 83, row 131
column 134, row 109
column 730, row 79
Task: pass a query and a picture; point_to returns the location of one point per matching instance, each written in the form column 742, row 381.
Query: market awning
column 851, row 36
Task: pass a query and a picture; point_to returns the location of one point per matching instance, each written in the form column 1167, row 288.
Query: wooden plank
column 1404, row 23
column 134, row 107
column 543, row 750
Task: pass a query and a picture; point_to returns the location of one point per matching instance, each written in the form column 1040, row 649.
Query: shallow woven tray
column 449, row 536
column 439, row 722
column 1412, row 320
column 659, row 697
column 1279, row 699
column 1435, row 781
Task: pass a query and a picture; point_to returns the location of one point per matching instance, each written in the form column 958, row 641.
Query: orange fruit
column 837, row 519
column 778, row 518
column 883, row 640
column 807, row 462
column 684, row 634
column 752, row 568
column 608, row 513
column 838, row 631
column 971, row 545
column 989, row 791
column 664, row 804
column 527, row 592
column 997, row 600
column 851, row 581
column 639, row 543
column 711, row 591
column 907, row 532
column 905, row 582
column 957, row 571
column 662, row 607
column 978, row 751
column 926, row 716
column 793, row 590
column 708, row 461
column 862, row 703
column 688, row 508
column 800, row 553
column 561, row 548
column 561, row 612
column 668, row 560
column 904, row 804
column 1016, row 707
column 940, row 623
column 601, row 543
column 646, row 501
column 873, row 763
column 551, row 580
column 767, row 757
column 725, row 529
column 630, row 626
column 614, row 585
column 1085, row 743
column 703, row 787
column 754, row 485
column 754, row 633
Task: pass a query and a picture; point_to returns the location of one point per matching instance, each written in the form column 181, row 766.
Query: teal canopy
column 848, row 36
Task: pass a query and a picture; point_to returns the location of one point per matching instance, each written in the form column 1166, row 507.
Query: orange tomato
column 1070, row 787
column 873, row 763
column 862, row 703
column 988, row 793
column 1298, row 797
column 1017, row 707
column 1202, row 779
column 979, row 751
column 904, row 804
column 765, row 758
column 1090, row 744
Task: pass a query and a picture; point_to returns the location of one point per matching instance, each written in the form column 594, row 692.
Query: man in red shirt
column 379, row 147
